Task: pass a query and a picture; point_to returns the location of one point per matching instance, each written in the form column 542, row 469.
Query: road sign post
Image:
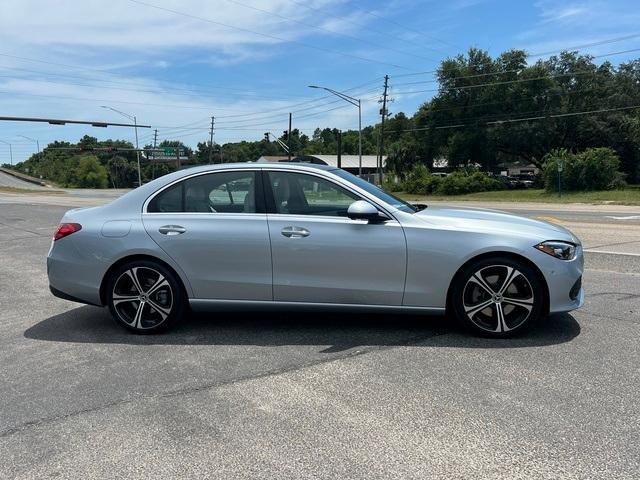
column 560, row 168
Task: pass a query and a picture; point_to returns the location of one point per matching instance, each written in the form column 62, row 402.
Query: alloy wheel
column 142, row 297
column 498, row 298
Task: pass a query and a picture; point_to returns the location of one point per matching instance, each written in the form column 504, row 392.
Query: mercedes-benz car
column 303, row 236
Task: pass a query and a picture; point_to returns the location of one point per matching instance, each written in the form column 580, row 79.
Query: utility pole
column 135, row 123
column 383, row 112
column 213, row 121
column 289, row 138
column 339, row 148
column 153, row 163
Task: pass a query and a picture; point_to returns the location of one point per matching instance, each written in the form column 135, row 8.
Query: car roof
column 257, row 164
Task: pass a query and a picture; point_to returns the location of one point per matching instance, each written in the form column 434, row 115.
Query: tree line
column 485, row 112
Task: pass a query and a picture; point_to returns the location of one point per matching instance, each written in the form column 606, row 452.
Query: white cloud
column 572, row 24
column 122, row 50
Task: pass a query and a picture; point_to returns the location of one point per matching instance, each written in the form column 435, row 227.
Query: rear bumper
column 72, row 278
column 71, row 298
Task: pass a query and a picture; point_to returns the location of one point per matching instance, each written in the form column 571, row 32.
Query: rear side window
column 223, row 192
column 170, row 200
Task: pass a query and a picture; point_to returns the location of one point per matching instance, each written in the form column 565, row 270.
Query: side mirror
column 361, row 210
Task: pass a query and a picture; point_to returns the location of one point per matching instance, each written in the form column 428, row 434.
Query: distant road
column 11, row 181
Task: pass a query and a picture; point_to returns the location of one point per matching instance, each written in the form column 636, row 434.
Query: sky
column 174, row 64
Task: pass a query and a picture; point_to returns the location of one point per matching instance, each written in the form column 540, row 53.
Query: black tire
column 160, row 309
column 520, row 305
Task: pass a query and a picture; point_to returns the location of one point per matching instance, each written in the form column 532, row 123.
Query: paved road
column 11, row 181
column 336, row 396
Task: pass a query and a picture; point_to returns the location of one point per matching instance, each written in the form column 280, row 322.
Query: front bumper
column 564, row 281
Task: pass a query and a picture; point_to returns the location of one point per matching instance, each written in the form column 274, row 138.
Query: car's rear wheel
column 144, row 296
column 497, row 297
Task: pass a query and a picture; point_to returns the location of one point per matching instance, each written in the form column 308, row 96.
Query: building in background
column 349, row 163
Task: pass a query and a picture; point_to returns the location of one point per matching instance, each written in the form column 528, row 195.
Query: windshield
column 376, row 191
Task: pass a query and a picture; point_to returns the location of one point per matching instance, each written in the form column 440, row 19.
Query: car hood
column 494, row 221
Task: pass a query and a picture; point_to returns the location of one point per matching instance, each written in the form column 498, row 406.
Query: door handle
column 295, row 232
column 172, row 230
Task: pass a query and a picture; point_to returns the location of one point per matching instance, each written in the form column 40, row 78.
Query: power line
column 506, row 82
column 348, row 20
column 515, row 120
column 94, row 100
column 273, row 113
column 156, row 91
column 151, row 89
column 333, row 32
column 288, row 107
column 299, row 117
column 518, row 70
column 268, row 35
column 410, row 29
column 506, row 102
column 593, row 44
column 294, row 111
column 534, row 55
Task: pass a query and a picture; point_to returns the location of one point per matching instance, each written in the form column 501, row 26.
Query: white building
column 351, row 163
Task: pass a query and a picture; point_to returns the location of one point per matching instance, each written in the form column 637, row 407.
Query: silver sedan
column 305, row 236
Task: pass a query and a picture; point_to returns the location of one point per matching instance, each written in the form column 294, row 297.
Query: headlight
column 561, row 250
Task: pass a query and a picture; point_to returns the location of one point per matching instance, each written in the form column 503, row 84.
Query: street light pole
column 10, row 151
column 358, row 103
column 135, row 126
column 359, row 138
column 33, row 140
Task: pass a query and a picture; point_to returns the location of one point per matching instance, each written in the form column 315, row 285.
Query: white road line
column 629, row 217
column 611, row 271
column 613, row 253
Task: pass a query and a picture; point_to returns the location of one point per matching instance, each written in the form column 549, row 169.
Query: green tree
column 89, row 173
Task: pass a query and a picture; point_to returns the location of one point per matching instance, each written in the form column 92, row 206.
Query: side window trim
column 259, row 186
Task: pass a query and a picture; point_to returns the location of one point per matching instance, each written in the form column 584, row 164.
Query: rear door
column 214, row 226
column 320, row 255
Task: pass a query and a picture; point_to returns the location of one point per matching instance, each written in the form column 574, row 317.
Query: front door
column 320, row 255
column 214, row 226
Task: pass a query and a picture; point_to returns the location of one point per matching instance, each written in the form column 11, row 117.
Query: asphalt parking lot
column 331, row 396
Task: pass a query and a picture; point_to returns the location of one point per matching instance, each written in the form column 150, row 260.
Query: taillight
column 65, row 229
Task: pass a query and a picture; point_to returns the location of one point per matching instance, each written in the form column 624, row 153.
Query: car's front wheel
column 497, row 297
column 144, row 296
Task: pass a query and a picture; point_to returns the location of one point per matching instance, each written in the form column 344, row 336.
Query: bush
column 593, row 169
column 420, row 181
column 392, row 183
column 461, row 182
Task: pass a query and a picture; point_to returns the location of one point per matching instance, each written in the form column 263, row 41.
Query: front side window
column 302, row 194
column 376, row 191
column 223, row 192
